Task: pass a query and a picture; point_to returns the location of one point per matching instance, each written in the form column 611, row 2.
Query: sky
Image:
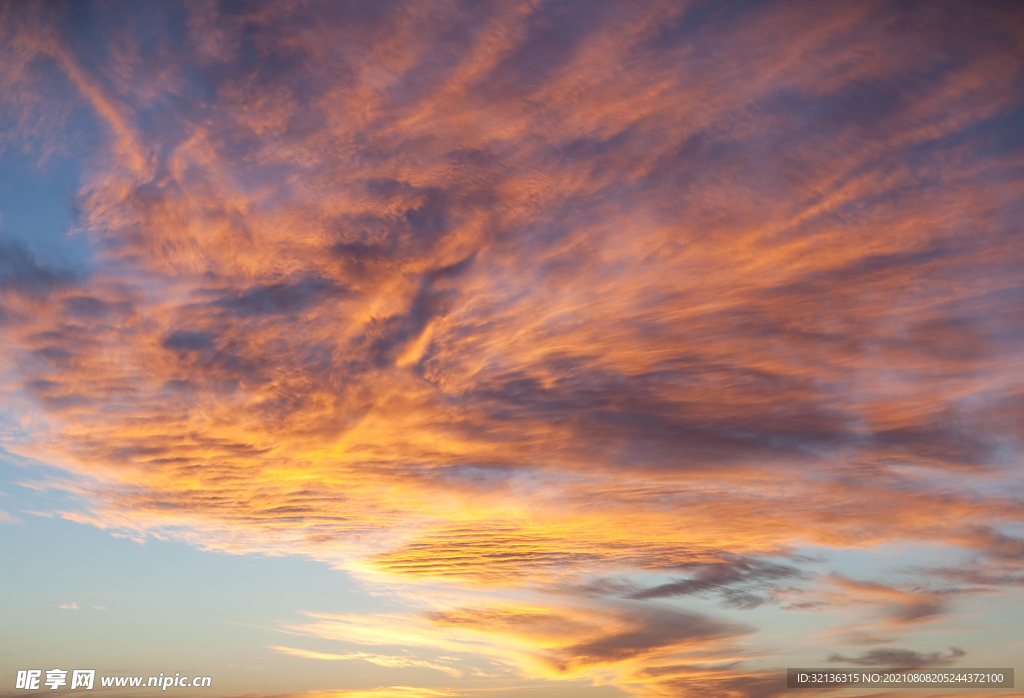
column 525, row 348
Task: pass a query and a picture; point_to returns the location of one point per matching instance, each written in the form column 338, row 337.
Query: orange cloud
column 554, row 324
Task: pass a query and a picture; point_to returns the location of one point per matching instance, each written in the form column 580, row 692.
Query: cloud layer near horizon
column 603, row 302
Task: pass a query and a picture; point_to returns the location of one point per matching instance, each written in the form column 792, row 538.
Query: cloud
column 378, row 659
column 997, row 560
column 658, row 631
column 21, row 273
column 26, row 284
column 894, row 606
column 732, row 685
column 559, row 643
column 498, row 301
column 279, row 298
column 388, row 692
column 897, row 658
column 379, row 692
column 69, row 606
column 725, row 577
column 996, row 545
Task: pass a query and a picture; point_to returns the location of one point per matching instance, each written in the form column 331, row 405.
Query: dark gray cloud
column 729, row 685
column 281, row 298
column 736, row 580
column 899, row 658
column 660, row 629
column 186, row 340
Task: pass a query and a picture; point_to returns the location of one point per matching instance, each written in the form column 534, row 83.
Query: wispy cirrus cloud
column 556, row 642
column 378, row 659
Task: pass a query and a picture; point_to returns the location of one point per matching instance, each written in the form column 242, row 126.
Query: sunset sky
column 513, row 348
